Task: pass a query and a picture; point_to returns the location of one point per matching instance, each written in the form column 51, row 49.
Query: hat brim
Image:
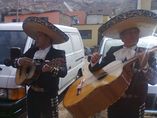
column 145, row 20
column 32, row 25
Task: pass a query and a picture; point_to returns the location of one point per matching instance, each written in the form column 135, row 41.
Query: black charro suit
column 47, row 80
column 131, row 105
column 45, row 102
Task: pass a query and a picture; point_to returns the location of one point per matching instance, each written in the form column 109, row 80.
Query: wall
column 94, row 19
column 53, row 17
column 97, row 19
column 81, row 15
column 144, row 4
column 94, row 28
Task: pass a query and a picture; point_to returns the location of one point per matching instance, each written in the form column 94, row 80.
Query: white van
column 12, row 96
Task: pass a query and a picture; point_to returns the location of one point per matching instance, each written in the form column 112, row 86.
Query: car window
column 109, row 43
column 145, row 42
column 10, row 39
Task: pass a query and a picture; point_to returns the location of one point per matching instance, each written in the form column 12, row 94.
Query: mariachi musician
column 42, row 97
column 129, row 27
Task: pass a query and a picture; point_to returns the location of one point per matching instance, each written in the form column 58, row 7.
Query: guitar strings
column 93, row 78
column 108, row 71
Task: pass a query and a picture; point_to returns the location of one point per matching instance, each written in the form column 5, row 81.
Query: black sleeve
column 152, row 70
column 29, row 53
column 61, row 70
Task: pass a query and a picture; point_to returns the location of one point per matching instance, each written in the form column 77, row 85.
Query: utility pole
column 144, row 4
column 139, row 4
column 17, row 11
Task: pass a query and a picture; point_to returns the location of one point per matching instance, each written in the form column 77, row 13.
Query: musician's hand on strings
column 25, row 61
column 143, row 59
column 95, row 58
column 53, row 65
column 46, row 68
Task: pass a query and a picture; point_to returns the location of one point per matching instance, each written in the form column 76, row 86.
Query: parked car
column 12, row 96
column 146, row 42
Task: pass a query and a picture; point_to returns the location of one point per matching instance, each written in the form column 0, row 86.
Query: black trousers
column 126, row 109
column 40, row 105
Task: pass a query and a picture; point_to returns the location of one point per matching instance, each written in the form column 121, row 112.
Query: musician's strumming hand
column 144, row 55
column 95, row 58
column 143, row 59
column 25, row 61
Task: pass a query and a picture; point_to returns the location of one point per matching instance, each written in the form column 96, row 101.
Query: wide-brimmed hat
column 32, row 25
column 144, row 20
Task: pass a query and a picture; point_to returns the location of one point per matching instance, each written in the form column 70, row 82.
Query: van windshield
column 10, row 39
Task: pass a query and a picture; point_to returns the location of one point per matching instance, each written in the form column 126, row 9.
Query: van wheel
column 79, row 74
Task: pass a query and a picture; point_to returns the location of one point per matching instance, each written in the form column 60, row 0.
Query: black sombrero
column 145, row 20
column 32, row 25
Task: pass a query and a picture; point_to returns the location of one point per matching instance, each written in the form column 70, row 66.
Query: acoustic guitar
column 26, row 75
column 94, row 92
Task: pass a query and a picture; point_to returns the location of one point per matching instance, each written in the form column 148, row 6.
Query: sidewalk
column 63, row 113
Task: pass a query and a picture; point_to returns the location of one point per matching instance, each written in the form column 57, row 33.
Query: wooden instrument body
column 99, row 94
column 27, row 74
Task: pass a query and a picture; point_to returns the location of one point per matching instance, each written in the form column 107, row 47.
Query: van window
column 77, row 45
column 113, row 42
column 10, row 39
column 109, row 43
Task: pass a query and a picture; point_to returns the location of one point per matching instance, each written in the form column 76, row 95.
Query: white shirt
column 125, row 53
column 41, row 53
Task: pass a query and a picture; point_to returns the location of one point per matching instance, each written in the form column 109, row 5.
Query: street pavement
column 63, row 113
